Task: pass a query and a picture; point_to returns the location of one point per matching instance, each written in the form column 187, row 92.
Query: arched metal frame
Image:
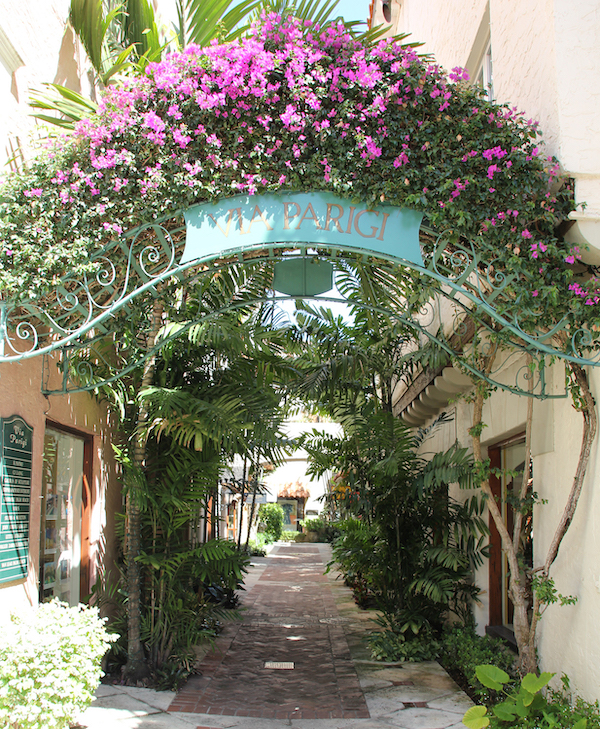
column 79, row 311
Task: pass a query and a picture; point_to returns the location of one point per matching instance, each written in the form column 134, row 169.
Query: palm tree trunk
column 136, row 667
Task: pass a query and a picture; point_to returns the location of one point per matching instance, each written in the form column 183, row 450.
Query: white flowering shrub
column 50, row 665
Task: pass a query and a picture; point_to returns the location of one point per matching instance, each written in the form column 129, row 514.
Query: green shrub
column 270, row 518
column 50, row 665
column 325, row 530
column 568, row 709
column 290, row 536
column 356, row 555
column 394, row 647
column 257, row 547
column 314, row 524
column 463, row 650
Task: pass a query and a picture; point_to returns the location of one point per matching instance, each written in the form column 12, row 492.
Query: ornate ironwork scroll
column 76, row 317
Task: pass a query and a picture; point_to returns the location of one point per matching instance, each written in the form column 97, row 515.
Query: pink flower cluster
column 591, row 295
column 290, row 107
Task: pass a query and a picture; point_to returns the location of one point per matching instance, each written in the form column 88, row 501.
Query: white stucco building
column 543, row 57
column 293, row 473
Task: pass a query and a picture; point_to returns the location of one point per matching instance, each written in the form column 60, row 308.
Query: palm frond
column 140, row 30
column 91, row 25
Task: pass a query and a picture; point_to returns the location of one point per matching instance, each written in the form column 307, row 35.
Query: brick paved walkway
column 293, row 614
column 290, row 618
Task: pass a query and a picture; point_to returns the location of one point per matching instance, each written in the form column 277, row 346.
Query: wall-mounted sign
column 16, row 439
column 307, row 217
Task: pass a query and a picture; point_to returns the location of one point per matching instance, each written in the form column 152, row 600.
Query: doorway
column 508, row 458
column 65, row 516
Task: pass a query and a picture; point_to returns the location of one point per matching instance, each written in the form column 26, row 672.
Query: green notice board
column 16, row 439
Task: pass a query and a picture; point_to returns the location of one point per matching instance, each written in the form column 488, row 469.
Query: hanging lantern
column 303, row 277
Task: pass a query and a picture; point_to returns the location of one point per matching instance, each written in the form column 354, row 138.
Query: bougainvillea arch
column 98, row 218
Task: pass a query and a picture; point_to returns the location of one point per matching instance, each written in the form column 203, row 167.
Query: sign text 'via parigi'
column 313, row 217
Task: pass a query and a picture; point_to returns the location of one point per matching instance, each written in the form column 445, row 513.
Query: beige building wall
column 21, row 394
column 36, row 46
column 545, row 56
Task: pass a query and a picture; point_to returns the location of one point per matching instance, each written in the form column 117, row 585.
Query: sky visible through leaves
column 354, row 9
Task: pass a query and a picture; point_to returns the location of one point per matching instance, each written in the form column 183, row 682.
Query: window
column 483, row 76
column 479, row 63
column 64, row 518
column 9, row 57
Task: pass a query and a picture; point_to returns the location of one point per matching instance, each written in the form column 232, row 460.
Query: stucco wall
column 37, row 47
column 546, row 56
column 20, row 394
column 568, row 637
column 38, row 35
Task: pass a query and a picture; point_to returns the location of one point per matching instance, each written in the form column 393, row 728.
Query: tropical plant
column 180, row 574
column 409, row 544
column 211, row 390
column 354, row 552
column 524, row 705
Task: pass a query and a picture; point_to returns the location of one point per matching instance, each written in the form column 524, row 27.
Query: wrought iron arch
column 465, row 287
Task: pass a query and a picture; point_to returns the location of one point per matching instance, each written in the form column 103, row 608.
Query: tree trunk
column 136, row 667
column 252, row 509
column 524, row 626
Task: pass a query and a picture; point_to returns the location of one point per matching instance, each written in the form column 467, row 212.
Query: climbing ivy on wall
column 281, row 110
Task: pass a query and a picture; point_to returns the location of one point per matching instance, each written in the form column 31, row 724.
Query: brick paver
column 289, row 616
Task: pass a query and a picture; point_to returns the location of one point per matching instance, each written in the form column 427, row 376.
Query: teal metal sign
column 15, row 496
column 313, row 217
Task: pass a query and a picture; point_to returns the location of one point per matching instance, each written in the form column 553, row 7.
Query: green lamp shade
column 303, row 277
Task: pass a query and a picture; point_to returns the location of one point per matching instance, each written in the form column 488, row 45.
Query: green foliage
column 408, row 546
column 325, row 531
column 50, row 665
column 216, row 392
column 547, row 594
column 524, row 705
column 270, row 517
column 183, row 582
column 355, row 552
column 463, row 650
column 392, row 647
column 568, row 709
column 257, row 547
column 314, row 524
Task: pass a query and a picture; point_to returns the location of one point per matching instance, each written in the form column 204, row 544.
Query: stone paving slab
column 293, row 613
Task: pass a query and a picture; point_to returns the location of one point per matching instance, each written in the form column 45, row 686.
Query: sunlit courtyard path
column 297, row 658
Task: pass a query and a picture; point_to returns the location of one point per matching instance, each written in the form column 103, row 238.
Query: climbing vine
column 285, row 110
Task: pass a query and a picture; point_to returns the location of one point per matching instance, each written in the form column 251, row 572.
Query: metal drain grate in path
column 281, row 665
